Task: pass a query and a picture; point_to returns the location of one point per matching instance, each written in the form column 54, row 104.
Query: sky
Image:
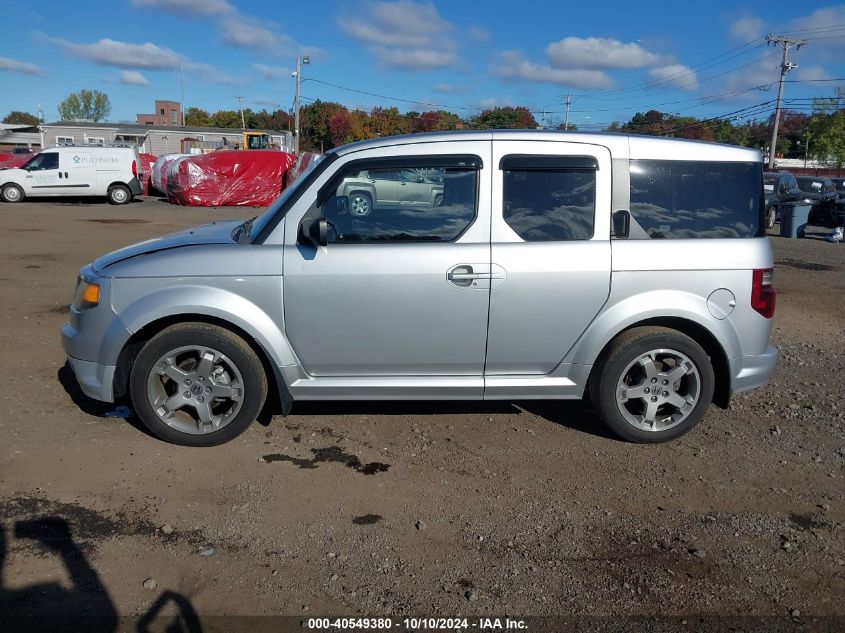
column 615, row 58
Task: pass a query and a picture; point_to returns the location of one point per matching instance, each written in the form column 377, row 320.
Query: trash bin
column 793, row 219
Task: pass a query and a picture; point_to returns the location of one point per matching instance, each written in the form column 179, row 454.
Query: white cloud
column 479, row 33
column 820, row 19
column 811, row 73
column 106, row 52
column 147, row 56
column 675, row 76
column 133, row 78
column 403, row 34
column 272, row 72
column 205, row 8
column 513, row 65
column 244, row 34
column 447, row 88
column 747, row 28
column 598, row 53
column 15, row 66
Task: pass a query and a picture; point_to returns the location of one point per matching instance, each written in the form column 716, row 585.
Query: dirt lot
column 525, row 509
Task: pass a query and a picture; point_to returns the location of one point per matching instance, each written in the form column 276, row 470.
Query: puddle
column 122, row 412
column 32, row 266
column 367, row 519
column 804, row 265
column 63, row 309
column 117, row 221
column 330, row 454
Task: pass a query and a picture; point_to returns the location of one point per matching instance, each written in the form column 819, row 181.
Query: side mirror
column 621, row 224
column 314, row 233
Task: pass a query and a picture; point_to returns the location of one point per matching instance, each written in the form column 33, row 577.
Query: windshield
column 280, row 205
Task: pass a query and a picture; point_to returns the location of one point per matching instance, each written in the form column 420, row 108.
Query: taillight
column 763, row 293
column 134, row 169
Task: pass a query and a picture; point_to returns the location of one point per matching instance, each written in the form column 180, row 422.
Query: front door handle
column 453, row 276
column 464, row 276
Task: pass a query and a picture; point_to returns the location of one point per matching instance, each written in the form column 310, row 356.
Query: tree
column 827, row 138
column 21, row 118
column 197, row 117
column 506, row 117
column 91, row 105
column 226, row 118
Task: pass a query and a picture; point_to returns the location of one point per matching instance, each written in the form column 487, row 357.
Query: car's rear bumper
column 94, row 379
column 750, row 372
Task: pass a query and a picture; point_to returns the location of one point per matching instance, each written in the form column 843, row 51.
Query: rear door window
column 696, row 199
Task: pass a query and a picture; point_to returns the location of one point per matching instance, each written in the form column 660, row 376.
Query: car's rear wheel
column 119, row 194
column 197, row 384
column 438, row 200
column 652, row 384
column 360, row 204
column 12, row 193
column 771, row 217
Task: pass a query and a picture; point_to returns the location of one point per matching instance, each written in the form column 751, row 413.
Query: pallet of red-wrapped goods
column 229, row 178
column 146, row 171
column 160, row 170
column 11, row 161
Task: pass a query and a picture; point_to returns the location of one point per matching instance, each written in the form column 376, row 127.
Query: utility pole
column 566, row 119
column 240, row 107
column 785, row 67
column 298, row 76
column 182, row 86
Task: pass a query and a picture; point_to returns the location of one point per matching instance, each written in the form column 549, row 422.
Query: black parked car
column 779, row 188
column 821, row 193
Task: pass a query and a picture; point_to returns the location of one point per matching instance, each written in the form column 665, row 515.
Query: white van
column 75, row 171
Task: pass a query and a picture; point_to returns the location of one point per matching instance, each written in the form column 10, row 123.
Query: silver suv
column 632, row 269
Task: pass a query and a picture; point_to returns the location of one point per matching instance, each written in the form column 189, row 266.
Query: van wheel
column 119, row 194
column 13, row 193
column 652, row 384
column 771, row 217
column 196, row 384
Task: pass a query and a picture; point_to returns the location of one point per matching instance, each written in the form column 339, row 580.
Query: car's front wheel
column 652, row 384
column 197, row 384
column 360, row 204
column 12, row 193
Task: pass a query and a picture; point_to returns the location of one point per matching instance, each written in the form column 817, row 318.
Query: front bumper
column 750, row 372
column 94, row 379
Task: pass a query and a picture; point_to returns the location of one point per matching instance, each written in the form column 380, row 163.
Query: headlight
column 87, row 295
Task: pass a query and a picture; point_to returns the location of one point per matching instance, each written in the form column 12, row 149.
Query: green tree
column 197, row 117
column 21, row 118
column 91, row 105
column 827, row 138
column 506, row 117
column 226, row 118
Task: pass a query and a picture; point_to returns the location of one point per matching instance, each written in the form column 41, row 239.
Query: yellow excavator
column 256, row 140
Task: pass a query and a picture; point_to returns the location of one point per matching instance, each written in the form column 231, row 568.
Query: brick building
column 167, row 113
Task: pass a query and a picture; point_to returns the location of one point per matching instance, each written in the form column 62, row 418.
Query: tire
column 438, row 200
column 623, row 368
column 771, row 217
column 119, row 194
column 13, row 193
column 360, row 204
column 170, row 387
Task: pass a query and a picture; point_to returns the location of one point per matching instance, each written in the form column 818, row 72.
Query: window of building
column 174, row 116
column 95, row 140
column 64, row 140
column 695, row 199
column 549, row 198
column 385, row 203
column 161, row 111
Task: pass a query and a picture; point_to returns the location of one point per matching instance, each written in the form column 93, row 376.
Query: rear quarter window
column 696, row 199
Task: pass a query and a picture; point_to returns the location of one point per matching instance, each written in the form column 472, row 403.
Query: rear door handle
column 453, row 276
column 465, row 276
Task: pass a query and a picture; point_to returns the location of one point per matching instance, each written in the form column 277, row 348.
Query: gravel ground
column 423, row 509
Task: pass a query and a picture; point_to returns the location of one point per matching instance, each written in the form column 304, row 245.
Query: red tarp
column 160, row 171
column 229, row 178
column 145, row 171
column 10, row 161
